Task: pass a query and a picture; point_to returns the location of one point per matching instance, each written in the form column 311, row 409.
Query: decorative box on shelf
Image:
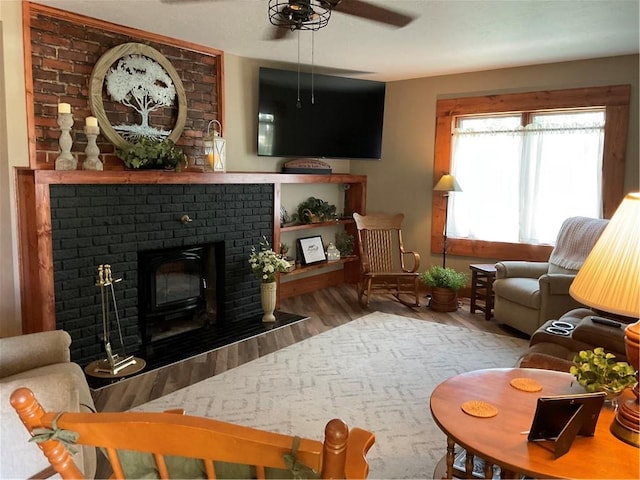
column 307, row 165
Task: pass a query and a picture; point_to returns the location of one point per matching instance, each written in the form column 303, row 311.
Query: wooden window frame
column 615, row 100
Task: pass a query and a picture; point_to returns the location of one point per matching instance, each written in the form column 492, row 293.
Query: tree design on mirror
column 141, row 79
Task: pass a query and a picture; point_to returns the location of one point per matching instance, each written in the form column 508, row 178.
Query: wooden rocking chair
column 382, row 257
column 170, row 444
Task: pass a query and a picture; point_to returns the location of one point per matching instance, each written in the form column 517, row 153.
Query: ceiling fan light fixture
column 299, row 14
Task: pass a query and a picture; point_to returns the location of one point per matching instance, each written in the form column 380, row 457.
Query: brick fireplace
column 111, row 224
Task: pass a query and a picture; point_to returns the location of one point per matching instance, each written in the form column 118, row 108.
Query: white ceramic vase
column 268, row 299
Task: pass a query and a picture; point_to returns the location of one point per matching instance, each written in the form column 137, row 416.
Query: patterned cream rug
column 376, row 372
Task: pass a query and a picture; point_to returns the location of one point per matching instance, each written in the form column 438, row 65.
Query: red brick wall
column 64, row 50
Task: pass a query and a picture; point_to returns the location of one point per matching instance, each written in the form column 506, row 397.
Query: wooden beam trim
column 28, row 83
column 569, row 98
column 614, row 98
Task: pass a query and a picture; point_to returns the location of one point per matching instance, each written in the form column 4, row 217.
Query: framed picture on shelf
column 311, row 250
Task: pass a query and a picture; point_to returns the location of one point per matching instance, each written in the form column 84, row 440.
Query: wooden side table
column 502, row 439
column 482, row 277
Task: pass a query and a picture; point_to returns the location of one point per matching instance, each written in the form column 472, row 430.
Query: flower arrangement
column 597, row 370
column 265, row 263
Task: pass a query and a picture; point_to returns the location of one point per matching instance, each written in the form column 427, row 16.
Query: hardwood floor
column 326, row 309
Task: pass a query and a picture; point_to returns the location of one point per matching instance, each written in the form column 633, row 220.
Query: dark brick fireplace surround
column 110, row 224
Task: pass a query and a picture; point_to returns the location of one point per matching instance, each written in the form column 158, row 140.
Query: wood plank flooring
column 326, row 309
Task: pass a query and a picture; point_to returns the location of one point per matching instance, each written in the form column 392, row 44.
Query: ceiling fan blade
column 360, row 8
column 279, row 33
column 187, row 1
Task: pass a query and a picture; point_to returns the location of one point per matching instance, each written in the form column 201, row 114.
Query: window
column 531, row 127
column 542, row 172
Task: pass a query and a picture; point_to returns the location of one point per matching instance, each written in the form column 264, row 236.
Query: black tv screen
column 335, row 117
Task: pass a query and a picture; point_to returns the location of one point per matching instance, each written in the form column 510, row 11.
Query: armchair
column 527, row 294
column 40, row 362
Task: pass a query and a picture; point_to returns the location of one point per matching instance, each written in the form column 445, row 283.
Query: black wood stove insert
column 179, row 290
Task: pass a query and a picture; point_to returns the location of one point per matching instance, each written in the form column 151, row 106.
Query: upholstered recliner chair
column 527, row 294
column 40, row 362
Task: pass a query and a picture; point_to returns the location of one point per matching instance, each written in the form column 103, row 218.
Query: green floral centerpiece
column 149, row 153
column 266, row 263
column 599, row 371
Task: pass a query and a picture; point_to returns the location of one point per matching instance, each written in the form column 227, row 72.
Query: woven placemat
column 478, row 408
column 526, row 384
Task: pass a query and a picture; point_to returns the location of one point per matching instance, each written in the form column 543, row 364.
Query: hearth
column 187, row 352
column 179, row 290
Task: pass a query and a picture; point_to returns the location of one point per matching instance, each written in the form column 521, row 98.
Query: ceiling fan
column 314, row 14
column 292, row 15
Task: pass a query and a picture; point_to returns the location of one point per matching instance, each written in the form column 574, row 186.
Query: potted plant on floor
column 444, row 284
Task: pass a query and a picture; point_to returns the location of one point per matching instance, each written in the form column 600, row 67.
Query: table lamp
column 609, row 282
column 447, row 183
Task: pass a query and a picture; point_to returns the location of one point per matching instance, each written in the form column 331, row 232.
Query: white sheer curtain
column 519, row 184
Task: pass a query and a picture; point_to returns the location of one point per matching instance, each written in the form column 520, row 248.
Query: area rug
column 376, row 372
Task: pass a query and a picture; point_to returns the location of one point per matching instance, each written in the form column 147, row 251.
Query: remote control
column 606, row 321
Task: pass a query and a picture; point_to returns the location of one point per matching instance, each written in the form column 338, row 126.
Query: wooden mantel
column 86, row 177
column 35, row 230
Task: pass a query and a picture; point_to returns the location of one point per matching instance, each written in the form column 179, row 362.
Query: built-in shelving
column 34, row 204
column 320, row 265
column 305, row 226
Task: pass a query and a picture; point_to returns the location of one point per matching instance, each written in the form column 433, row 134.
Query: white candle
column 91, row 122
column 64, row 108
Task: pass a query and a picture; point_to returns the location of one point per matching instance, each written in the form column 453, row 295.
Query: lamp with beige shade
column 446, row 184
column 609, row 282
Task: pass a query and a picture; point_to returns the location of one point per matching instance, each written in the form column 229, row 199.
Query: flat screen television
column 332, row 117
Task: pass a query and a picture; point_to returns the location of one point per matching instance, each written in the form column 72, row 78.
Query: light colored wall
column 13, row 153
column 241, row 118
column 403, row 180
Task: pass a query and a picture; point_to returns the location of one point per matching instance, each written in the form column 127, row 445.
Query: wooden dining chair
column 382, row 257
column 173, row 445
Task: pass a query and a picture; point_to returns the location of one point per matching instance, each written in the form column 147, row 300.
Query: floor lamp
column 446, row 184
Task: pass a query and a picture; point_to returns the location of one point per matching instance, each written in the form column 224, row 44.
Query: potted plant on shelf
column 345, row 242
column 315, row 210
column 444, row 284
column 599, row 371
column 266, row 264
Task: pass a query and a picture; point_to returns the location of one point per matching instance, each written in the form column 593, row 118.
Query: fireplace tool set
column 114, row 363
